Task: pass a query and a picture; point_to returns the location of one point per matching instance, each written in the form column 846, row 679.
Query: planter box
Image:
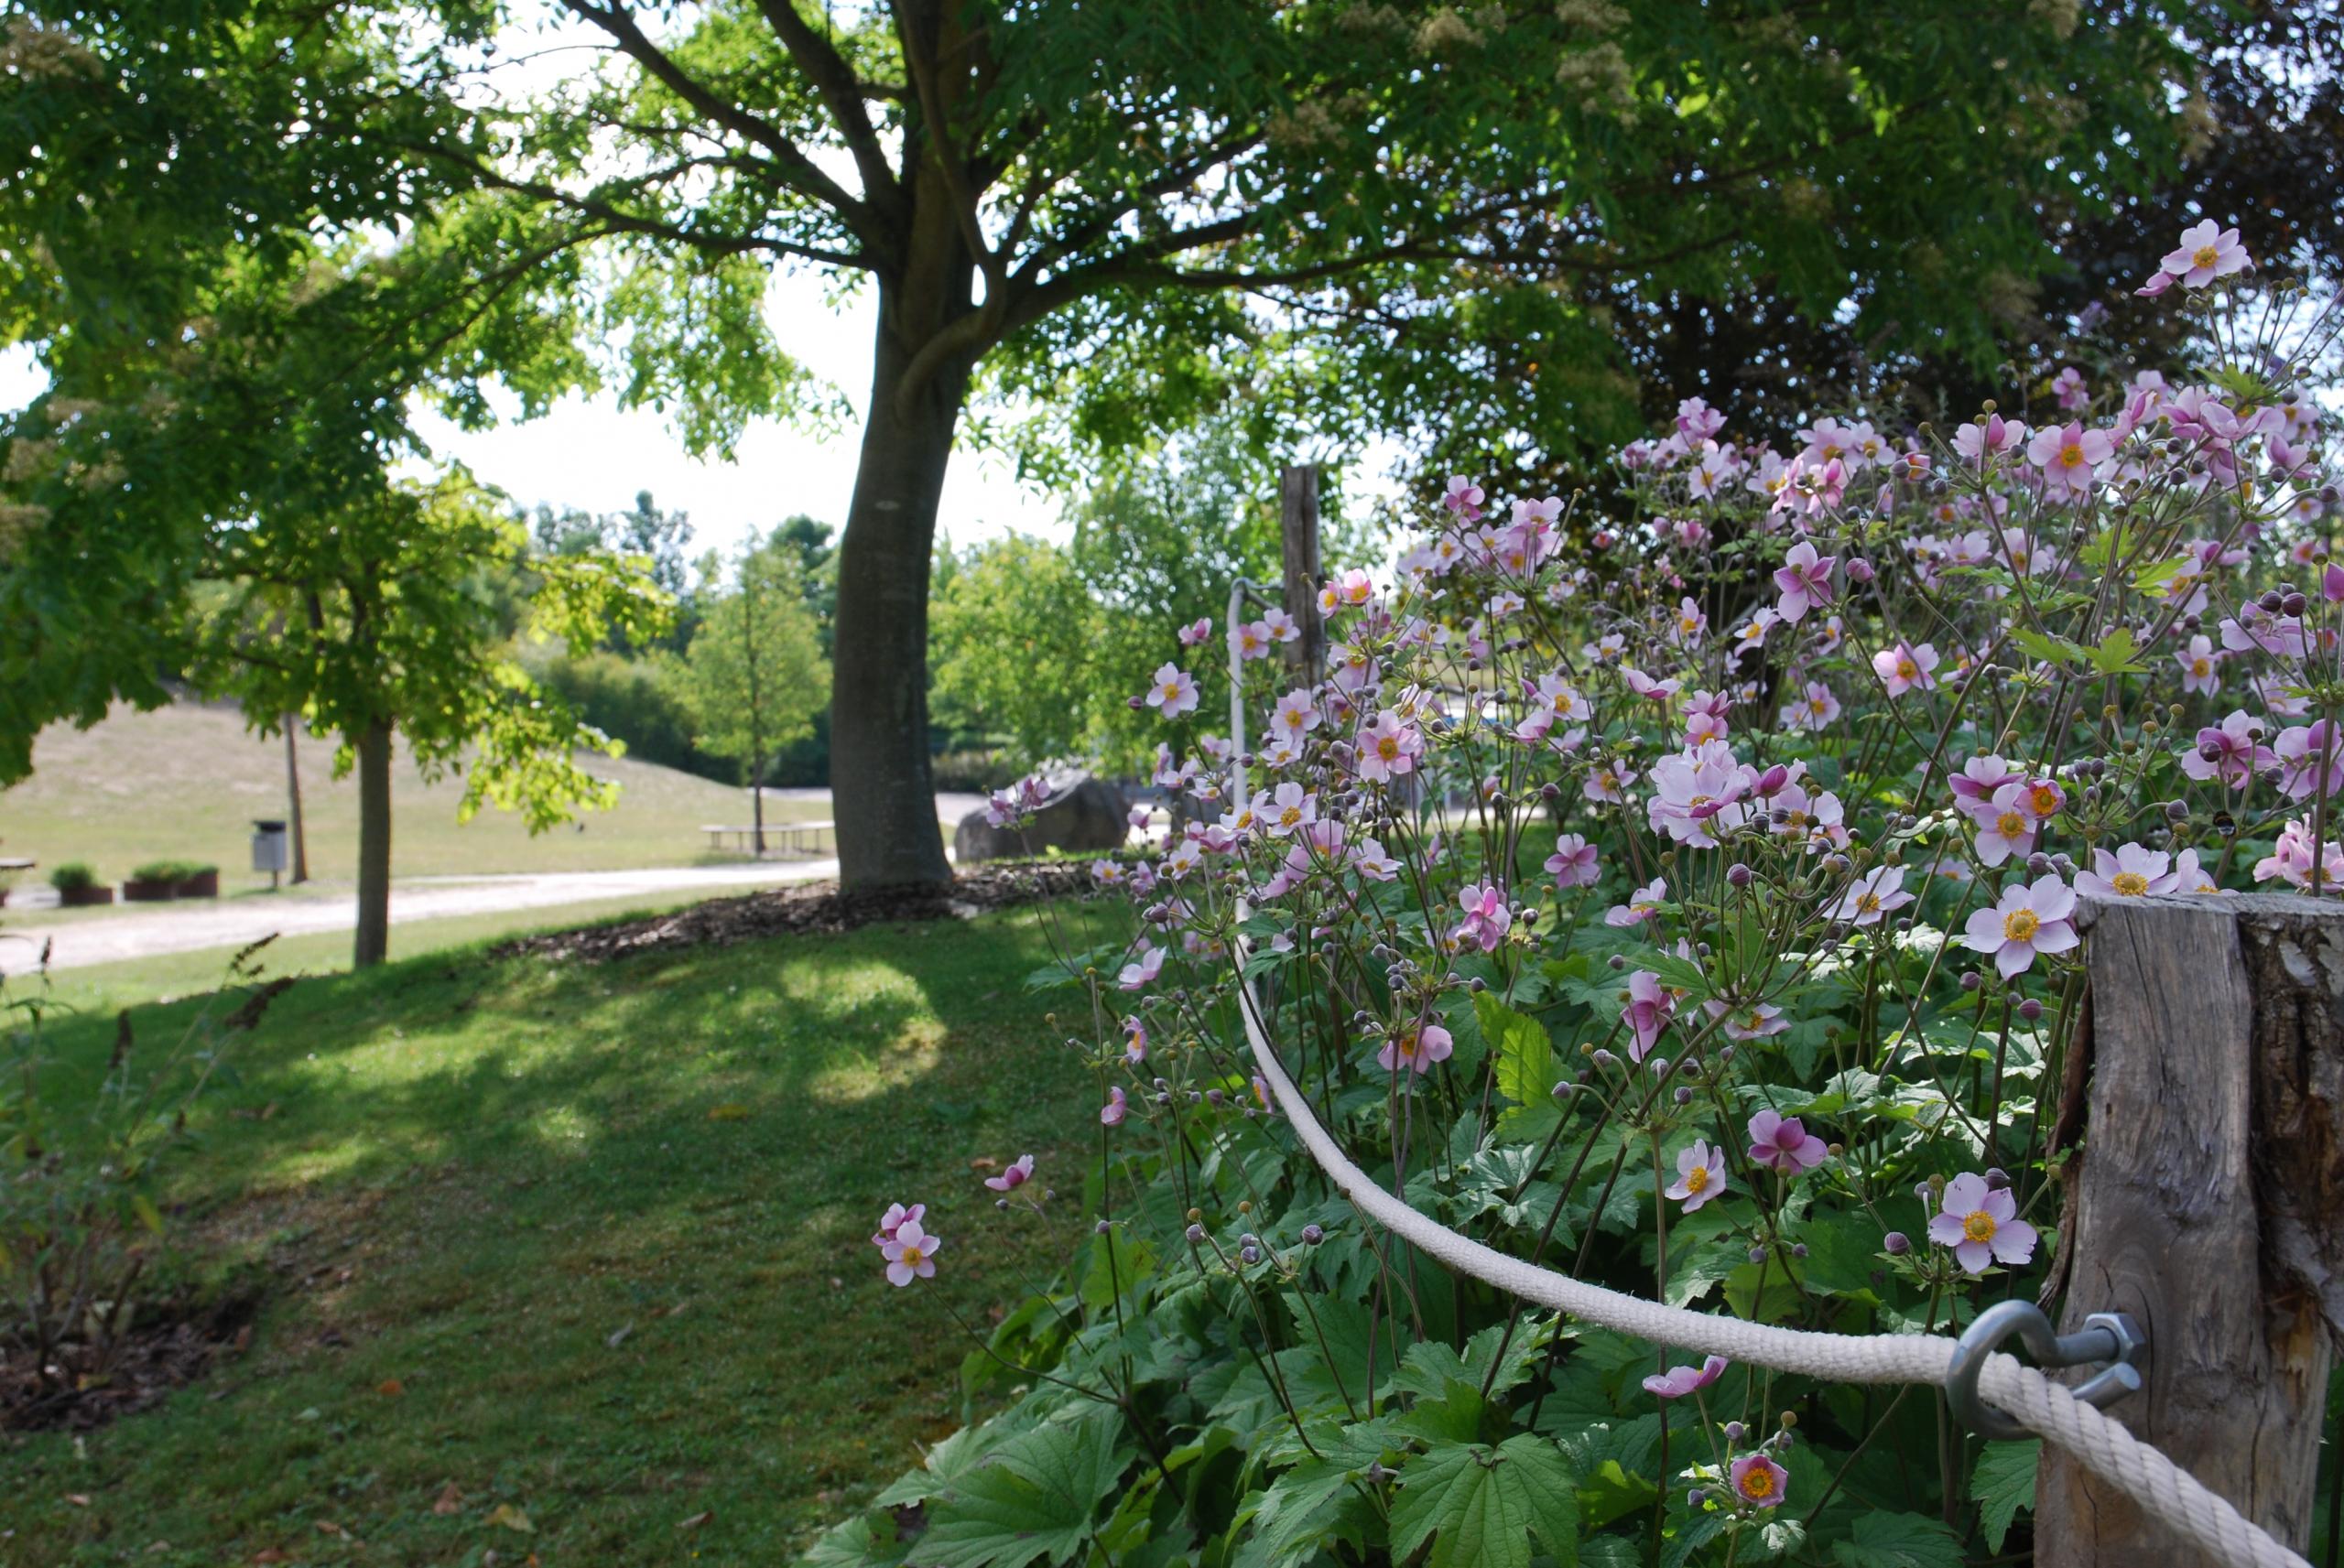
column 203, row 884
column 83, row 898
column 140, row 890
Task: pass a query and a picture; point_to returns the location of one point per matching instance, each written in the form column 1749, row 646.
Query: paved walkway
column 190, row 927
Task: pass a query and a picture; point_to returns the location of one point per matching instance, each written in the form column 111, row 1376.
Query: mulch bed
column 173, row 1348
column 807, row 908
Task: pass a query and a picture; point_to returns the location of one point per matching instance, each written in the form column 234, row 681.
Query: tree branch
column 797, row 170
column 834, row 82
column 617, row 219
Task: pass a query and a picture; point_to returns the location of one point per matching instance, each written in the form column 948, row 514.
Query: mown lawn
column 588, row 1247
column 185, row 782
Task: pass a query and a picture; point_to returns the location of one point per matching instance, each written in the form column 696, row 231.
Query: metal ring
column 2109, row 1336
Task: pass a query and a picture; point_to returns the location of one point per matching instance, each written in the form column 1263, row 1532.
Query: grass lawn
column 588, row 1245
column 183, row 783
column 105, row 987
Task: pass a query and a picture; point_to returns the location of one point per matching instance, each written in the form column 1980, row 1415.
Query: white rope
column 2162, row 1489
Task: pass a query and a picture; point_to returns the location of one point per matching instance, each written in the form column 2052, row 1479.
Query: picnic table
column 16, row 863
column 800, row 838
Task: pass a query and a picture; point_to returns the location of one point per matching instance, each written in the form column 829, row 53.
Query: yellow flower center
column 1978, row 1225
column 1171, row 688
column 2010, row 825
column 2205, row 255
column 913, row 1257
column 1907, row 670
column 1408, row 1043
column 1697, row 1179
column 1758, row 1481
column 1687, row 624
column 2070, row 456
column 1868, row 904
column 2021, row 924
column 1289, row 816
column 2131, row 884
column 2200, row 666
column 1387, row 748
column 2045, row 798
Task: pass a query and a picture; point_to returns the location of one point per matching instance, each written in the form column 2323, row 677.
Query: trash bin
column 270, row 853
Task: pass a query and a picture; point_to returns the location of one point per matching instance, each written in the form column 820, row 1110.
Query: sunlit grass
column 589, row 1242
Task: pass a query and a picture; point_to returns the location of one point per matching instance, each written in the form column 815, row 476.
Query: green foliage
column 1883, row 1539
column 2002, row 1483
column 74, row 876
column 170, row 870
column 1482, row 1506
column 80, row 1202
column 1013, row 632
column 753, row 676
column 1034, row 1497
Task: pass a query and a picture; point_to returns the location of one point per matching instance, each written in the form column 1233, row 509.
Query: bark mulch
column 807, row 908
column 175, row 1348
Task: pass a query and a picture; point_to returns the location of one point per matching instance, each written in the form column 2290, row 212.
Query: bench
column 798, row 837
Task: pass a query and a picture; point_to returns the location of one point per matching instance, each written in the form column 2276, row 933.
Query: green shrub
column 80, row 1223
column 73, row 877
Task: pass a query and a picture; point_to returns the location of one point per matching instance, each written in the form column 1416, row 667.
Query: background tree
column 1015, row 630
column 1107, row 199
column 753, row 676
column 219, row 504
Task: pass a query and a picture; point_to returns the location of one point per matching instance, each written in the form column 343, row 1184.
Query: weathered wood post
column 2208, row 1200
column 1299, row 541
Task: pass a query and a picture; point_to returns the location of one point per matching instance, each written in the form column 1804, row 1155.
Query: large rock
column 1083, row 814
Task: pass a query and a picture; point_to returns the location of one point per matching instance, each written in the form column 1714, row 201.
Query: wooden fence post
column 1299, row 541
column 2208, row 1200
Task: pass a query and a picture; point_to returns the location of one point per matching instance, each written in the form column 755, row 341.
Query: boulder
column 1083, row 815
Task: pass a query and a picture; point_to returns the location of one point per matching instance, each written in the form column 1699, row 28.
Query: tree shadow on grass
column 616, row 1261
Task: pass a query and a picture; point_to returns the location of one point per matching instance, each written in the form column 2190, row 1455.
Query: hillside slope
column 185, row 782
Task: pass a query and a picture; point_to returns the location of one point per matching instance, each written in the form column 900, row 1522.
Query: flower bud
column 1312, row 1234
column 2030, row 1010
column 1735, row 1432
column 1737, row 874
column 1898, row 1244
column 1997, row 1179
column 1196, row 1234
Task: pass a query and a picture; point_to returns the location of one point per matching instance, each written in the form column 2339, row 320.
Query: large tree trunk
column 373, row 846
column 881, row 792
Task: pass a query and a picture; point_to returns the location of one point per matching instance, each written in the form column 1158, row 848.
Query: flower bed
column 1679, row 893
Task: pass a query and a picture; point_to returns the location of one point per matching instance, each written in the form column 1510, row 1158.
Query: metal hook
column 2113, row 1337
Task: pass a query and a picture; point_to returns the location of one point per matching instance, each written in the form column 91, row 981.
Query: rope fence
column 2162, row 1489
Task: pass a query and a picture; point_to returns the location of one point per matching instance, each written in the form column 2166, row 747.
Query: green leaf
column 1525, row 1067
column 2119, row 653
column 2003, row 1484
column 1481, row 1505
column 1035, row 1501
column 1898, row 1540
column 1117, row 1260
column 2051, row 650
column 867, row 1541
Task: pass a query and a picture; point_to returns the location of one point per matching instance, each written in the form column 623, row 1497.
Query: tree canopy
column 1123, row 209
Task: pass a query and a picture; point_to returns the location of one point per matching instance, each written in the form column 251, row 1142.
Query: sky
column 589, row 453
